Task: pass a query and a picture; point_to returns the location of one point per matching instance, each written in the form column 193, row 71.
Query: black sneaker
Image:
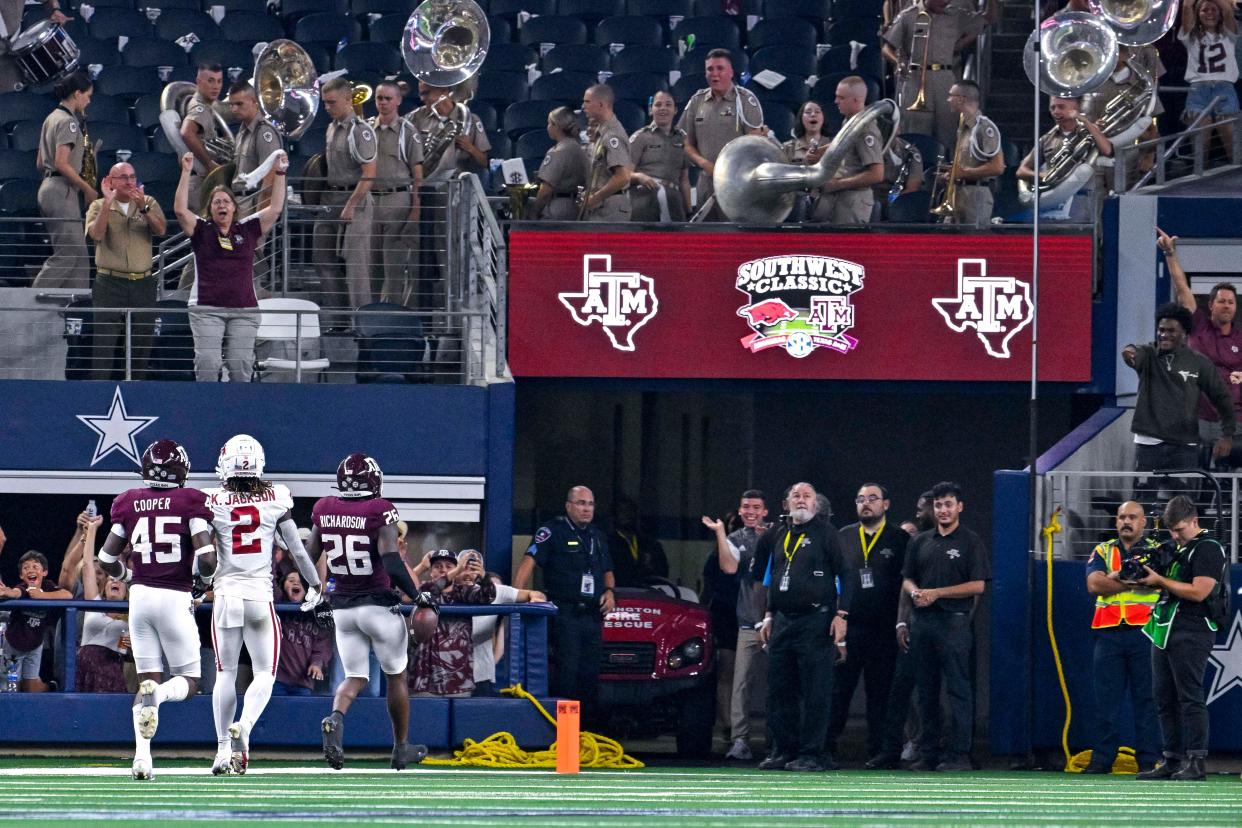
column 955, row 763
column 775, row 762
column 805, row 764
column 406, row 754
column 1164, row 769
column 334, row 741
column 1192, row 770
column 883, row 761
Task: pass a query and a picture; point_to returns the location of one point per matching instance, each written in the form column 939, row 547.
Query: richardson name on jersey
column 342, row 522
column 817, row 274
column 148, row 504
column 229, row 498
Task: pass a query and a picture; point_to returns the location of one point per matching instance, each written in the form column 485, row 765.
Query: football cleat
column 142, row 769
column 165, row 465
column 223, row 763
column 240, row 756
column 241, row 456
column 333, row 728
column 358, row 475
column 406, row 754
column 148, row 712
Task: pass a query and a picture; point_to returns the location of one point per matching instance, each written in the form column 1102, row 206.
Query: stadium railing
column 1171, row 162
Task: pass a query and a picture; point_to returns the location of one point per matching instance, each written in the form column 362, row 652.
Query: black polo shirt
column 1202, row 556
column 934, row 560
column 566, row 552
column 810, row 553
column 884, row 556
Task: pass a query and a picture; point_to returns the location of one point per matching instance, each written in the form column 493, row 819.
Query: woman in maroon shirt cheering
column 222, row 302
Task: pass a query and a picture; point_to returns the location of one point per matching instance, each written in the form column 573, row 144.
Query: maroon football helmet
column 165, row 465
column 359, row 475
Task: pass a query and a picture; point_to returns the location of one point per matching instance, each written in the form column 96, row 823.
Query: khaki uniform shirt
column 61, row 128
column 427, row 122
column 255, row 142
column 1049, row 143
column 201, row 113
column 349, row 145
column 865, row 150
column 896, row 157
column 978, row 141
column 610, row 149
column 945, row 30
column 399, row 153
column 564, row 168
column 710, row 122
column 659, row 154
column 126, row 245
column 796, row 149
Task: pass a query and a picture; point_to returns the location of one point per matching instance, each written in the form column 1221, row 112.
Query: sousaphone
column 174, row 106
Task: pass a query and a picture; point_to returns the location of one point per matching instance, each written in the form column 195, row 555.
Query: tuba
column 174, row 102
column 287, row 86
column 755, row 184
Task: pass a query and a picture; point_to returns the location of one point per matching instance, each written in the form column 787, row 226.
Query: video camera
column 1159, row 558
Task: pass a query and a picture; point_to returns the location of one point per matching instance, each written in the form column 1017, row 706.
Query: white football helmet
column 241, row 456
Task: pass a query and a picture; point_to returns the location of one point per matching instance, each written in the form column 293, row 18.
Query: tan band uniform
column 564, row 169
column 661, row 155
column 11, row 14
column 978, row 140
column 710, row 123
column 852, row 206
column 61, row 204
column 333, row 240
column 610, row 149
column 394, row 238
column 200, row 112
column 254, row 143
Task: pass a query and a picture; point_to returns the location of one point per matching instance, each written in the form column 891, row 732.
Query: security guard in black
column 806, row 560
column 574, row 559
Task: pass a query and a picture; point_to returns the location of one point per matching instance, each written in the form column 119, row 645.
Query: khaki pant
column 223, row 336
column 561, row 208
column 335, row 242
column 974, row 206
column 615, row 208
column 645, row 205
column 938, row 121
column 394, row 240
column 60, row 203
column 844, row 207
column 748, row 663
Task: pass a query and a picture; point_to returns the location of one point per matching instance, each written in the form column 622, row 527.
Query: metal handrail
column 1197, row 130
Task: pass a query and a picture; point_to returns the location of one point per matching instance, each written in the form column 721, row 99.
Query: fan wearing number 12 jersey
column 247, row 513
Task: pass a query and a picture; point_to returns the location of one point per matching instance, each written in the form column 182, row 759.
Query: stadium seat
column 630, row 31
column 172, row 349
column 486, row 112
column 153, row 51
column 284, row 337
column 19, row 197
column 553, row 28
column 694, row 60
column 533, row 144
column 716, row 8
column 576, row 57
column 159, row 142
column 790, row 92
column 102, row 4
column 128, row 81
column 562, row 87
column 19, row 164
column 928, row 147
column 111, row 137
column 825, row 90
column 502, row 147
column 156, row 166
column 502, row 29
column 312, row 142
column 644, row 59
column 291, row 10
column 524, row 116
column 231, row 7
column 658, row 8
column 391, row 346
column 780, row 119
column 631, row 115
column 783, row 32
column 327, row 28
column 638, row 86
column 369, row 56
column 109, row 24
column 107, row 109
column 227, row 53
column 787, row 60
column 24, row 106
column 166, row 5
column 95, row 51
column 509, row 57
column 836, row 59
column 252, row 27
column 590, row 11
column 509, row 9
column 361, row 8
column 391, row 27
column 812, row 10
column 502, row 87
column 911, row 208
column 320, row 54
column 146, row 111
column 863, row 29
column 709, row 31
column 177, row 23
column 686, row 86
column 851, row 9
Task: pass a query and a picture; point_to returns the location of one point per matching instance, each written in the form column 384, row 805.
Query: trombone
column 947, row 208
column 922, row 31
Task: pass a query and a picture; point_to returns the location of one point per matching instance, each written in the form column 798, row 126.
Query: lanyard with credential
column 867, row 547
column 797, row 544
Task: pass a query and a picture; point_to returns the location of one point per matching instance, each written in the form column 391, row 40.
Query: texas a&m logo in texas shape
column 997, row 307
column 799, row 303
column 621, row 302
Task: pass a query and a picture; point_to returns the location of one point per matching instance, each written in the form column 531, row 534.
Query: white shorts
column 235, row 621
column 368, row 627
column 162, row 620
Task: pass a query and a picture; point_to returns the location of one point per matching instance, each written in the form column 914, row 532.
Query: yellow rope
column 500, row 750
column 1125, row 763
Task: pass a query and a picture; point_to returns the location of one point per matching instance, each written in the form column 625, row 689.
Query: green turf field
column 75, row 790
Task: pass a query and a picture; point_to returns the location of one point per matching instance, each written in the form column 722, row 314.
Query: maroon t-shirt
column 349, row 535
column 1225, row 353
column 26, row 626
column 157, row 524
column 225, row 263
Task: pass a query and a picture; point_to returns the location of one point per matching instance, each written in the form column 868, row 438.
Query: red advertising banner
column 796, row 305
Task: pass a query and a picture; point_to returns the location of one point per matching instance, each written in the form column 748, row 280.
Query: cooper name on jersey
column 150, row 504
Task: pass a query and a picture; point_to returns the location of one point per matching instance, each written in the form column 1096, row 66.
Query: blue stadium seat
column 102, row 4
column 177, row 23
column 631, row 115
column 837, row 59
column 502, row 147
column 553, row 28
column 632, row 30
column 153, row 51
column 825, row 91
column 850, row 9
column 391, row 27
column 362, row 8
column 525, row 116
column 172, row 351
column 658, row 8
column 147, row 111
column 686, row 86
column 502, row 29
column 291, row 10
column 128, row 81
column 102, row 52
column 312, row 142
column 227, row 53
column 709, row 32
column 784, row 31
column 320, row 55
column 790, row 92
column 813, row 10
column 563, row 87
column 19, row 164
column 109, row 24
column 252, row 27
column 24, row 106
column 391, row 347
column 638, row 86
column 25, row 135
column 107, row 109
column 911, row 208
column 863, row 29
column 327, row 28
column 780, row 119
column 155, row 166
column 509, row 9
column 590, row 11
column 575, row 57
column 159, row 142
column 19, row 197
column 716, row 8
column 112, row 137
column 533, row 144
column 487, row 114
column 644, row 59
column 369, row 56
column 233, row 6
column 502, row 87
column 694, row 60
column 928, row 147
column 788, row 60
column 509, row 57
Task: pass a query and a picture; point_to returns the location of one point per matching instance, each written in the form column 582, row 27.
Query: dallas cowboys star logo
column 116, row 430
column 1227, row 658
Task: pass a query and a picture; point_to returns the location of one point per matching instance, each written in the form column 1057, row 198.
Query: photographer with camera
column 1193, row 581
column 1122, row 657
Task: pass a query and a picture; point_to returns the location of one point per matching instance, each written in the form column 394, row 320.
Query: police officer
column 1122, row 660
column 60, row 156
column 1183, row 625
column 577, row 576
column 399, row 174
column 802, row 619
column 345, row 232
column 847, row 198
column 945, row 569
column 563, row 171
column 715, row 116
column 660, row 166
column 257, row 137
column 874, row 552
column 980, row 161
column 924, row 52
column 606, row 198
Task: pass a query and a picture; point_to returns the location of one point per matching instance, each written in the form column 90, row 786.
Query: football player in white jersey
column 247, row 513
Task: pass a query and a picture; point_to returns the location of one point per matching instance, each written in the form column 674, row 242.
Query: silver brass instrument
column 174, row 104
column 1137, row 22
column 903, row 174
column 755, row 184
column 1079, row 52
column 287, row 87
column 922, row 31
column 443, row 136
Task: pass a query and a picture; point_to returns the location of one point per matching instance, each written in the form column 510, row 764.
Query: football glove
column 313, row 599
column 199, row 588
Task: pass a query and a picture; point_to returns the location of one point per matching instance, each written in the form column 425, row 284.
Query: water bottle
column 11, row 677
column 92, row 510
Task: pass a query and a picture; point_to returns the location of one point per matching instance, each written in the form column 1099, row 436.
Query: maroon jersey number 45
column 156, row 522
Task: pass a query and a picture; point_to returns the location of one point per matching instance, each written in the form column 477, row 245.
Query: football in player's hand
column 423, row 623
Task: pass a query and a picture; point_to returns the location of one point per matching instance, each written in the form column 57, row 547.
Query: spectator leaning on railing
column 105, row 635
column 122, row 224
column 444, row 665
column 305, row 647
column 23, row 640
